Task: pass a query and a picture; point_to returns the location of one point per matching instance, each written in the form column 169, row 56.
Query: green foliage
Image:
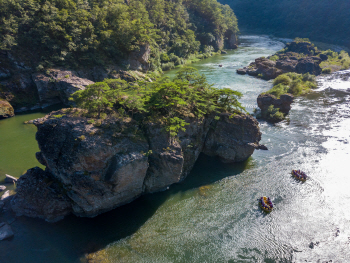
column 95, row 98
column 326, row 71
column 168, row 102
column 274, row 115
column 82, row 33
column 274, row 58
column 283, row 79
column 293, row 83
column 336, row 61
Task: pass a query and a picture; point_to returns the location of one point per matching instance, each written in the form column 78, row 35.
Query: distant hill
column 319, row 20
column 96, row 32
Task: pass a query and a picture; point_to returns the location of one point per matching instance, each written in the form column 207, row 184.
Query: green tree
column 96, row 98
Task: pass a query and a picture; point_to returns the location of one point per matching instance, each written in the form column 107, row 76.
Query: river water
column 213, row 216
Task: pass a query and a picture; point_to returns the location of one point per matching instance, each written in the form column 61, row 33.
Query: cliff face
column 93, row 168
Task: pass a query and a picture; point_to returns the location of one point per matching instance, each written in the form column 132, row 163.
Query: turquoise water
column 213, row 215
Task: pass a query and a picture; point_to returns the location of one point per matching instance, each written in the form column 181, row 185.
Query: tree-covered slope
column 90, row 32
column 319, row 20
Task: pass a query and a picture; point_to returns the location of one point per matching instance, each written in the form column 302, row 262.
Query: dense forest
column 319, row 20
column 99, row 32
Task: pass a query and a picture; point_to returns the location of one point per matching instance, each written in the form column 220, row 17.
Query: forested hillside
column 99, row 32
column 319, row 20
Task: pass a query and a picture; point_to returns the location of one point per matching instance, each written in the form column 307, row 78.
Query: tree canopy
column 84, row 32
column 171, row 102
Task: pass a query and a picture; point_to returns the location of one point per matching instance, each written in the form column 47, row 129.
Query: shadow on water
column 73, row 237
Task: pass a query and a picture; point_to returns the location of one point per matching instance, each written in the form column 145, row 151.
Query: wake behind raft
column 265, row 204
column 299, row 175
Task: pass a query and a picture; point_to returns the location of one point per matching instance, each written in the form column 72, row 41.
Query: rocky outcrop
column 56, row 86
column 231, row 40
column 299, row 57
column 233, row 138
column 283, row 105
column 6, row 110
column 40, row 195
column 139, row 60
column 95, row 167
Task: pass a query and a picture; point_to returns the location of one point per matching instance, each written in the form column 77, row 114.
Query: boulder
column 5, row 195
column 262, row 147
column 232, row 137
column 5, row 231
column 39, row 195
column 242, row 71
column 10, row 179
column 287, row 65
column 308, row 65
column 6, row 110
column 283, row 103
column 2, row 188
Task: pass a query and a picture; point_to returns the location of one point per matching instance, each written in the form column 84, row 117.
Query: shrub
column 326, row 71
column 274, row 58
column 168, row 66
column 164, row 58
column 283, row 79
column 278, row 90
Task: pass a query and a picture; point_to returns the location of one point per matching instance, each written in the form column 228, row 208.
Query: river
column 213, row 216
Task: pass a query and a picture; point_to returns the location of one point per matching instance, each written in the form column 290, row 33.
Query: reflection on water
column 213, row 215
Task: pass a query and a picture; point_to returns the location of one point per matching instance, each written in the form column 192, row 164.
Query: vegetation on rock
column 170, row 102
column 293, row 83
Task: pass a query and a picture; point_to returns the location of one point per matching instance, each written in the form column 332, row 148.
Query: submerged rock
column 10, row 179
column 5, row 231
column 6, row 110
column 93, row 168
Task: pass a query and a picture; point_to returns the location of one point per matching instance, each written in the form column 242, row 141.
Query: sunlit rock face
column 97, row 167
column 6, row 109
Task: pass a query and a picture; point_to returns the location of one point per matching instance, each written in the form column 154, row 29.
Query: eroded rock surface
column 57, row 86
column 6, row 110
column 97, row 167
column 40, row 195
column 233, row 138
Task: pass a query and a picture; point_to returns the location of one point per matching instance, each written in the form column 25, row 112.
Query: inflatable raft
column 265, row 204
column 299, row 175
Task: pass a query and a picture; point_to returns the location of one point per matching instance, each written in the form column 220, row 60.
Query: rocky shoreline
column 93, row 168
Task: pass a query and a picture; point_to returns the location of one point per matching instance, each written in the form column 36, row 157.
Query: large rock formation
column 94, row 167
column 56, row 86
column 139, row 60
column 299, row 57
